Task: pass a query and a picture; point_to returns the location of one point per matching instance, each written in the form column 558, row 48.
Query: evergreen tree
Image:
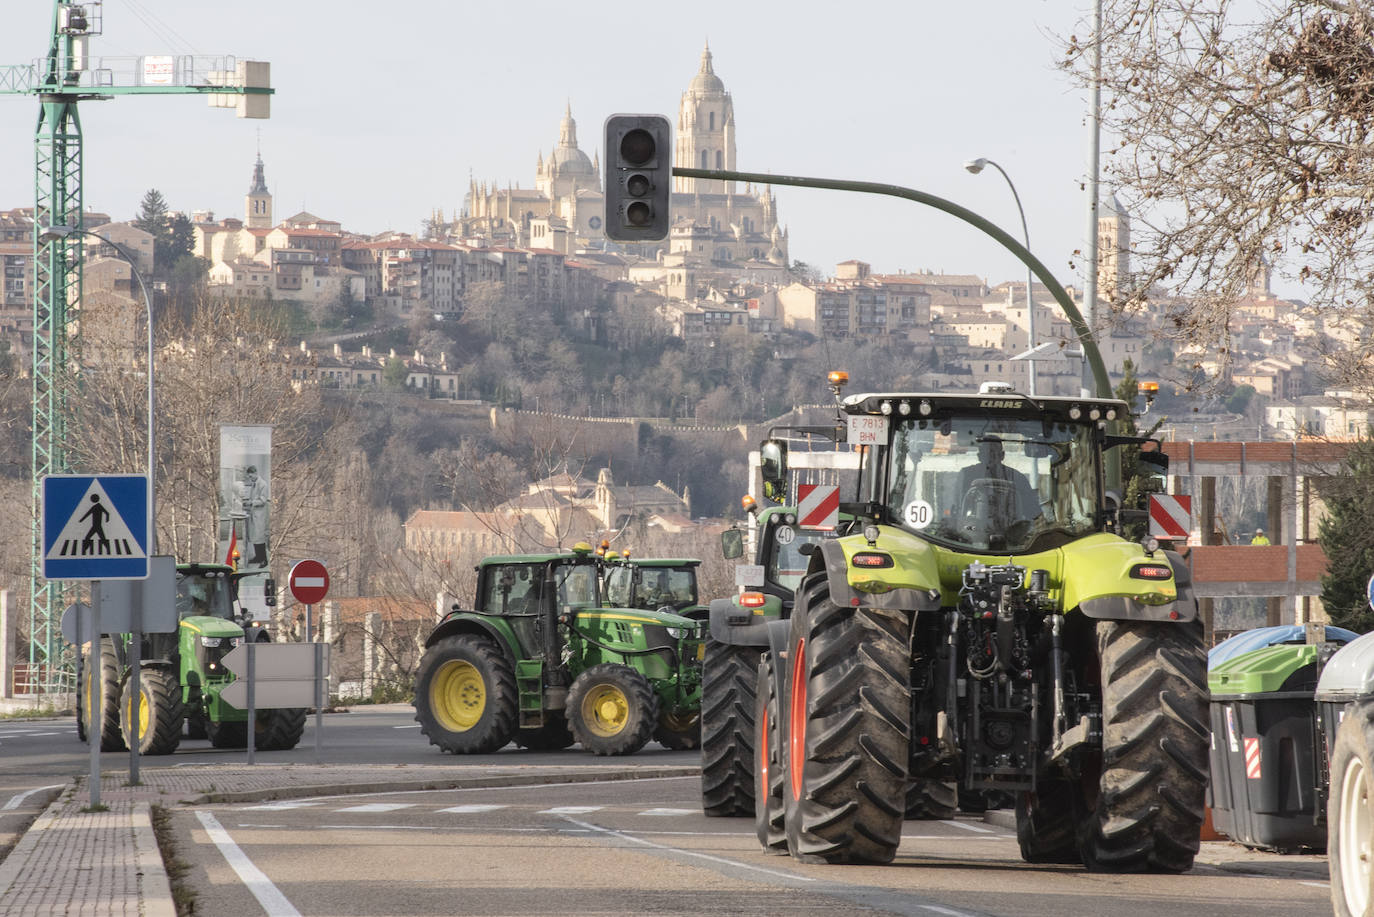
column 152, row 214
column 1348, row 539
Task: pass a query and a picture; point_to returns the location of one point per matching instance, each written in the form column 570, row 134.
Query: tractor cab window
column 989, row 483
column 619, row 583
column 512, row 589
column 203, row 595
column 577, row 586
column 659, row 586
column 789, row 563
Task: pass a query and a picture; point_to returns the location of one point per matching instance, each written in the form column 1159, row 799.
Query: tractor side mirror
column 773, row 465
column 732, row 543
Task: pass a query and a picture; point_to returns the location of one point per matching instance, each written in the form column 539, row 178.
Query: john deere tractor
column 182, row 675
column 983, row 621
column 542, row 659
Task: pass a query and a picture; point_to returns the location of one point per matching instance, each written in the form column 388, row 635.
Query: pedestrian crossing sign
column 95, row 527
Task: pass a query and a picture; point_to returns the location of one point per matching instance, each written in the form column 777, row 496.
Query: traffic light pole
column 1080, row 327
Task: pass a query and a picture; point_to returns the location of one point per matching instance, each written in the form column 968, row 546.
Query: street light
column 975, row 166
column 53, row 234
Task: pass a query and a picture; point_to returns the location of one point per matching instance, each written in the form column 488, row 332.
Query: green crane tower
column 66, row 76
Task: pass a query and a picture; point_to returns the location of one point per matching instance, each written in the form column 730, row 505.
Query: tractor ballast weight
column 542, row 659
column 983, row 621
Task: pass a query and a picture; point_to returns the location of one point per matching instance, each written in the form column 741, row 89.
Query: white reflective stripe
column 268, row 895
column 308, row 581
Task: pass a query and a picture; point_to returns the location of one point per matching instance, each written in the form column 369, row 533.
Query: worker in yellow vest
column 1259, row 537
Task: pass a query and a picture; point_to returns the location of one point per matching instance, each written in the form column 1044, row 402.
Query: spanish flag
column 232, row 558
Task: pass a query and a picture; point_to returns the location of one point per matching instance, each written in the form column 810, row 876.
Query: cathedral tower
column 257, row 205
column 705, row 131
column 1113, row 248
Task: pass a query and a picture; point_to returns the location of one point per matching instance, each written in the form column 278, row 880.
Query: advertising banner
column 245, row 508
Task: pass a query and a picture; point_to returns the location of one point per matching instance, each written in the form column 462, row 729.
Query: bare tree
column 1243, row 140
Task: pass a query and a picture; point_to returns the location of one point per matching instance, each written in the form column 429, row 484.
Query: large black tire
column 678, row 732
column 1047, row 821
column 932, row 799
column 280, row 729
column 1155, row 736
column 727, row 729
column 554, row 735
column 1350, row 814
column 612, row 709
column 466, row 699
column 769, row 809
column 848, row 729
column 111, row 737
column 227, row 735
column 160, row 711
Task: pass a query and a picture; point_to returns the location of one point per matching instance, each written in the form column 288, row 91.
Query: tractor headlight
column 676, row 632
column 211, row 642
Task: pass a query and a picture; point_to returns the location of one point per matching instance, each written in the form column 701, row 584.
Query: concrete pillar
column 7, row 641
column 331, row 632
column 372, row 629
column 1206, row 507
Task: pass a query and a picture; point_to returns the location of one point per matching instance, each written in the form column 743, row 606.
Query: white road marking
column 570, row 810
column 17, row 800
column 377, row 807
column 473, row 809
column 670, row 812
column 597, row 829
column 268, row 895
column 1317, row 884
column 289, row 804
column 976, row 829
column 411, row 726
column 944, row 910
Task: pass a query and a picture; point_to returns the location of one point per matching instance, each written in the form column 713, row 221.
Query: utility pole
column 64, row 77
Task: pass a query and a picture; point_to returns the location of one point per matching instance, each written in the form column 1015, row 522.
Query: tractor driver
column 990, row 486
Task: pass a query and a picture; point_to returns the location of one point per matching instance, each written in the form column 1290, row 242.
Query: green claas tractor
column 182, row 675
column 982, row 621
column 543, row 659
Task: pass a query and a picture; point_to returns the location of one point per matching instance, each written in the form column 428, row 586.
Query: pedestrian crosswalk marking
column 473, row 809
column 95, row 529
column 571, row 810
column 285, row 805
column 378, row 807
column 669, row 812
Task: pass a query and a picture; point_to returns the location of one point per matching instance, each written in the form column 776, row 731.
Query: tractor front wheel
column 1047, row 821
column 160, row 712
column 679, row 731
column 1155, row 735
column 466, row 700
column 727, row 729
column 1350, row 813
column 932, row 800
column 612, row 709
column 769, row 808
column 279, row 730
column 848, row 729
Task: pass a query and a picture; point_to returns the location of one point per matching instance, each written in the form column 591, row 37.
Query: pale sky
column 384, row 110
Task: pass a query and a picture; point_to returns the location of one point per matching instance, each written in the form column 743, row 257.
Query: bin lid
column 1349, row 673
column 1261, row 671
column 1259, row 637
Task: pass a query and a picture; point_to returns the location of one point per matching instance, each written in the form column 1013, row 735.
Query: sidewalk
column 107, row 864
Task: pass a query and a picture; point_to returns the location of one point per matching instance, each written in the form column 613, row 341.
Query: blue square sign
column 95, row 527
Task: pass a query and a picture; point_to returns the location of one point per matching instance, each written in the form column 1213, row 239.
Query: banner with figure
column 245, row 508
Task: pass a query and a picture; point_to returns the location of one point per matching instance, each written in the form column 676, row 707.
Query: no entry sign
column 308, row 582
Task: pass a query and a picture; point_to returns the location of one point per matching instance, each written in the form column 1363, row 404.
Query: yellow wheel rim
column 680, row 722
column 144, row 711
column 605, row 710
column 457, row 696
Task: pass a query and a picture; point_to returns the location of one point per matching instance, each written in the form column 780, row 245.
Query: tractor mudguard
column 1099, row 580
column 753, row 631
column 910, row 583
column 472, row 623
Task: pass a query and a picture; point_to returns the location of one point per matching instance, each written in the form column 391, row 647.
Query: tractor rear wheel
column 160, row 712
column 932, row 799
column 1155, row 735
column 103, row 677
column 848, row 729
column 769, row 808
column 227, row 735
column 466, row 699
column 554, row 735
column 1047, row 820
column 679, row 731
column 727, row 729
column 612, row 709
column 1350, row 813
column 279, row 730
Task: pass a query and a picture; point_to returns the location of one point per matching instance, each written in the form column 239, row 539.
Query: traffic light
column 639, row 163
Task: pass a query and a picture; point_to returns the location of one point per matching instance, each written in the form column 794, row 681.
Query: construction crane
column 66, row 76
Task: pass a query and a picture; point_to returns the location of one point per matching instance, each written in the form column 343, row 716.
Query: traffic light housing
column 639, row 164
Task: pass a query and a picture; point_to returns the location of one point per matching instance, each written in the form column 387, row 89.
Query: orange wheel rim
column 796, row 721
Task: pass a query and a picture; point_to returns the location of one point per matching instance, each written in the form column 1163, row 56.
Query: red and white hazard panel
column 1171, row 515
column 1252, row 759
column 818, row 506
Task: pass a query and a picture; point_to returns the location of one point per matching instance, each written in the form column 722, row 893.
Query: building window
column 705, row 163
column 712, row 119
column 720, row 159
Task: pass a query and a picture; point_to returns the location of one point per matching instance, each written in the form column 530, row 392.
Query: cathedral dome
column 706, row 80
column 567, row 159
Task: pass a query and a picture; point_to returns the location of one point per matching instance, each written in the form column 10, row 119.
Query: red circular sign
column 308, row 581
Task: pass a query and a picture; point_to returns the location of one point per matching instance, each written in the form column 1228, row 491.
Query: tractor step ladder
column 529, row 681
